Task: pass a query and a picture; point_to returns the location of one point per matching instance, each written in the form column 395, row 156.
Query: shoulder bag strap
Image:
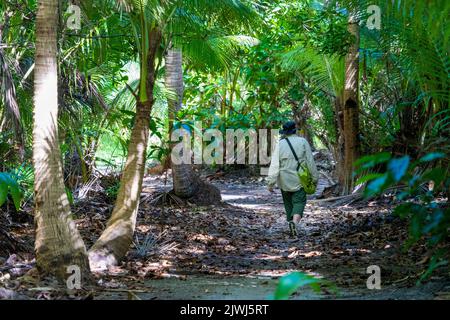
column 293, row 151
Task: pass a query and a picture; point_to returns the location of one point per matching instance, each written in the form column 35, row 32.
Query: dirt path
column 238, row 251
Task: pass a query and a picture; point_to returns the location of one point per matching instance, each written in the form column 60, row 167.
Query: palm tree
column 210, row 47
column 351, row 105
column 186, row 183
column 150, row 20
column 58, row 243
column 412, row 47
column 115, row 240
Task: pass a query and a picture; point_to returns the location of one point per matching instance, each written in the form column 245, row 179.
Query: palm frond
column 11, row 116
column 216, row 53
column 320, row 71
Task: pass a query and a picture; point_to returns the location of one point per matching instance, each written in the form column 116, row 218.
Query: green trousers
column 294, row 203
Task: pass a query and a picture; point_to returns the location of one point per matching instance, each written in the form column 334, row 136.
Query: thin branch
column 132, row 91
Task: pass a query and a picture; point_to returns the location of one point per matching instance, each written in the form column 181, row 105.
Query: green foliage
column 10, row 186
column 112, row 191
column 427, row 213
column 290, row 283
column 18, row 184
column 247, row 64
column 24, row 175
column 69, row 196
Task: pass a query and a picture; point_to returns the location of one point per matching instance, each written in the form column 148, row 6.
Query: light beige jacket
column 283, row 166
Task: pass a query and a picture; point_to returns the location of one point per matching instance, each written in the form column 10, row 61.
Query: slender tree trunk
column 339, row 150
column 233, row 86
column 301, row 114
column 351, row 106
column 58, row 243
column 115, row 241
column 186, row 184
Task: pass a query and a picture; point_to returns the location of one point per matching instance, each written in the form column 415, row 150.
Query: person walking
column 283, row 171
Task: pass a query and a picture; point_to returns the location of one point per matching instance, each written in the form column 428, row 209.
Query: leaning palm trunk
column 186, row 184
column 115, row 241
column 58, row 243
column 351, row 106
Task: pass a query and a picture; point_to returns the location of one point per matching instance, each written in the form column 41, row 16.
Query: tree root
column 206, row 194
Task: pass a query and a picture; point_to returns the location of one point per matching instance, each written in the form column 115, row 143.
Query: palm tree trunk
column 339, row 148
column 58, row 243
column 185, row 182
column 351, row 106
column 115, row 241
column 301, row 114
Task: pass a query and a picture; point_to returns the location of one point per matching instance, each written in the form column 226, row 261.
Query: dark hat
column 289, row 128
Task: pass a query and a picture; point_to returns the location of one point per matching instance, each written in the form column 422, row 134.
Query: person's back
column 283, row 171
column 288, row 176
